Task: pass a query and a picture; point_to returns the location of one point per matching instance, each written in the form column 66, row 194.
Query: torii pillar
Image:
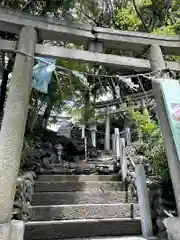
column 13, row 126
column 144, row 108
column 95, row 46
column 157, row 63
column 93, row 133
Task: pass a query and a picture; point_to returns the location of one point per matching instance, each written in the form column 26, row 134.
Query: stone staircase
column 67, row 206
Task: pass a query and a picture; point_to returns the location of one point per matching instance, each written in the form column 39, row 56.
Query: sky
column 55, row 127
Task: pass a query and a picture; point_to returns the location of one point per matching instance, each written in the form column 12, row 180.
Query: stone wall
column 162, row 203
column 23, row 196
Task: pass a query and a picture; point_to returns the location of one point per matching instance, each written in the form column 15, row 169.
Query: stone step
column 85, row 165
column 59, row 171
column 67, row 186
column 66, row 229
column 121, row 238
column 77, row 171
column 102, row 158
column 78, row 178
column 84, row 211
column 88, row 197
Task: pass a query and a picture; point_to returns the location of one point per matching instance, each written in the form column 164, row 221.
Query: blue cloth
column 42, row 74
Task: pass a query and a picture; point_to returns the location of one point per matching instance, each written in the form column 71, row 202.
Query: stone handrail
column 140, row 181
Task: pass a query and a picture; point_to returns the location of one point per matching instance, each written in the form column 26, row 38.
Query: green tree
column 39, row 7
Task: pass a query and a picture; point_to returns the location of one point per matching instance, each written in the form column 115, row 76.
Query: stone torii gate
column 15, row 114
column 123, row 107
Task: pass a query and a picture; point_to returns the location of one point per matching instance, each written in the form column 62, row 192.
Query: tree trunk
column 47, row 114
column 114, row 95
column 3, row 90
column 87, row 110
column 32, row 116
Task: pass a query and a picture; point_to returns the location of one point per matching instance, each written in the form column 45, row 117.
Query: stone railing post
column 83, row 131
column 14, row 121
column 113, row 142
column 17, row 230
column 117, row 142
column 143, row 200
column 107, row 131
column 86, row 148
column 127, row 135
column 123, row 159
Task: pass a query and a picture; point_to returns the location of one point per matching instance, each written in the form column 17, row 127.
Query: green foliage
column 148, row 128
column 151, row 15
column 152, row 147
column 158, row 160
column 166, row 30
column 77, row 87
column 127, row 19
column 39, row 6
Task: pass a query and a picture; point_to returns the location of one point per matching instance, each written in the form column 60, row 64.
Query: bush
column 152, row 146
column 158, row 160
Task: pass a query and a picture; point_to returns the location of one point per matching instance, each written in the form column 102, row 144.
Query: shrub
column 152, row 146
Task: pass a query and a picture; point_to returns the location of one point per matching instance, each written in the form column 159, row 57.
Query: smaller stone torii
column 15, row 113
column 132, row 97
column 123, row 107
column 108, row 113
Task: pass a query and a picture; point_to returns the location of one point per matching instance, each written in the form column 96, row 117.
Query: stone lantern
column 59, row 148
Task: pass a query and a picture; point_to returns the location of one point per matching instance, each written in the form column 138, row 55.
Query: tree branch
column 3, row 87
column 86, row 15
column 45, row 8
column 27, row 5
column 139, row 14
